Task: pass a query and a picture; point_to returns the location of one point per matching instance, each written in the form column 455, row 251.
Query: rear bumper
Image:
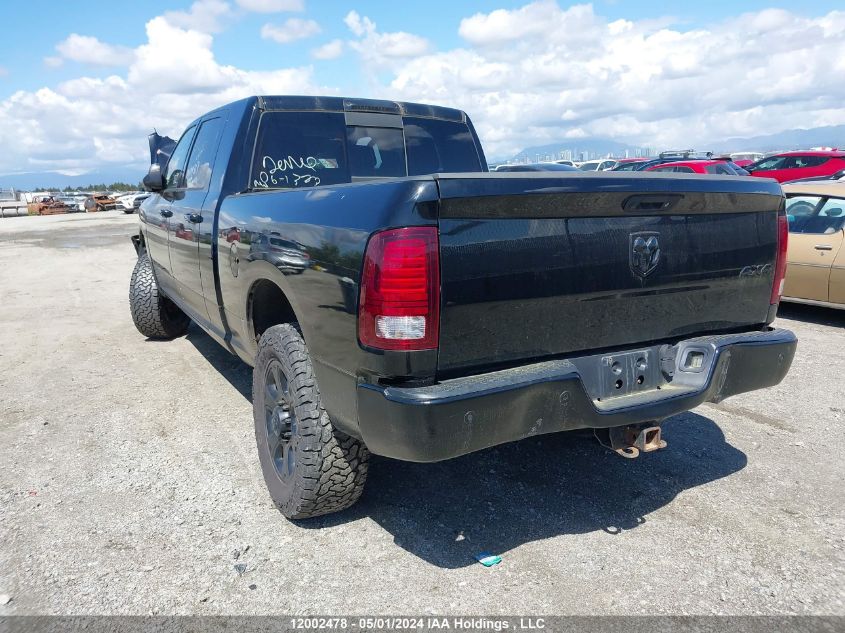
column 455, row 417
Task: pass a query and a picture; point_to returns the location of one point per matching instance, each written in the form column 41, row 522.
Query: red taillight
column 400, row 290
column 780, row 263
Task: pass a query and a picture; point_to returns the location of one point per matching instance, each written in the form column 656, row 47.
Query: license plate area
column 627, row 373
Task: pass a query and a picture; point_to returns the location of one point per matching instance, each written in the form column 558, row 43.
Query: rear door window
column 437, row 146
column 719, row 168
column 299, row 149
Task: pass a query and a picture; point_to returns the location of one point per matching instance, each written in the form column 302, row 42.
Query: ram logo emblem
column 644, row 252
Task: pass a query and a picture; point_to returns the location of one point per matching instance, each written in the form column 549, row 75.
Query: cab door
column 155, row 215
column 189, row 214
column 815, row 240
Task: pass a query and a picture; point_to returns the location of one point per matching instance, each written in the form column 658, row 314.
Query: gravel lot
column 130, row 484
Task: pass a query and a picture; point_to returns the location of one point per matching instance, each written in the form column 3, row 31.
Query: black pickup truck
column 394, row 297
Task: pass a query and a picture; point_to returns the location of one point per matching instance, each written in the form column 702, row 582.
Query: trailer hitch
column 630, row 441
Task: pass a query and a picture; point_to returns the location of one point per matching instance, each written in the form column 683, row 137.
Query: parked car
column 537, row 167
column 799, row 165
column 101, row 202
column 565, row 162
column 127, row 200
column 449, row 310
column 670, row 156
column 138, row 201
column 719, row 167
column 50, row 205
column 75, row 200
column 598, row 165
column 816, row 260
column 73, row 203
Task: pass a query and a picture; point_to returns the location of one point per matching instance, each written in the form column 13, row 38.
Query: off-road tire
column 154, row 315
column 330, row 468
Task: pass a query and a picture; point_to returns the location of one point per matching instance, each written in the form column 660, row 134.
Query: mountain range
column 53, row 180
column 827, row 136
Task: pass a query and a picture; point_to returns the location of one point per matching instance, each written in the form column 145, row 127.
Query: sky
column 82, row 83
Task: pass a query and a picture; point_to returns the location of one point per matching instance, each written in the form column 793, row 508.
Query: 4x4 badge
column 644, row 252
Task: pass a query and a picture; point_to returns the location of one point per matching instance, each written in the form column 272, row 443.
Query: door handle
column 166, row 213
column 823, row 247
column 195, row 218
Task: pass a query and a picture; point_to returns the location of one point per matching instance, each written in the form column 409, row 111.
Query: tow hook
column 630, row 441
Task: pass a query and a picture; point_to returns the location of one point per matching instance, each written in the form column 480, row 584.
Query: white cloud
column 53, row 61
column 89, row 50
column 272, row 6
column 535, row 73
column 87, row 122
column 357, row 24
column 329, row 50
column 291, row 30
column 382, row 49
column 567, row 73
column 206, row 16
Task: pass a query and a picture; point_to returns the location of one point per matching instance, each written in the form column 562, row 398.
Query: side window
column 299, row 149
column 833, row 208
column 798, row 207
column 174, row 176
column 797, row 162
column 375, row 152
column 830, row 218
column 683, row 169
column 198, row 172
column 809, row 161
column 806, row 215
column 771, row 163
column 720, row 169
column 435, row 145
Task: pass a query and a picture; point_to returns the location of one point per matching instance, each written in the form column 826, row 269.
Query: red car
column 722, row 167
column 795, row 165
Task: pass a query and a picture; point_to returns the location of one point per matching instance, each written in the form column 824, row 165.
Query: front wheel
column 155, row 315
column 310, row 468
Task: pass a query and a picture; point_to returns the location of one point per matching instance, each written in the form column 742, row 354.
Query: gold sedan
column 815, row 271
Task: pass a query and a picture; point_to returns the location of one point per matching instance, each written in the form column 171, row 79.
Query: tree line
column 115, row 186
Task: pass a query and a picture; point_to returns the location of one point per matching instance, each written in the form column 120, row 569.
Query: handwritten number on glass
column 290, row 171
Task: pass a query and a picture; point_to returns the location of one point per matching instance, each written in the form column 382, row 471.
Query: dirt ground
column 130, row 484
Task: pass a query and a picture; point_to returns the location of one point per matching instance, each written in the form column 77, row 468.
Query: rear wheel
column 310, row 467
column 154, row 315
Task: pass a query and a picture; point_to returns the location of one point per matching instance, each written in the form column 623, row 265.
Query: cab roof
column 350, row 104
column 836, row 153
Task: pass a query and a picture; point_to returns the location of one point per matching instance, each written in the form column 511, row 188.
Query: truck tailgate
column 536, row 266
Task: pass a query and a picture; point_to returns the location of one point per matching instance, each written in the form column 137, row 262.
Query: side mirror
column 154, row 181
